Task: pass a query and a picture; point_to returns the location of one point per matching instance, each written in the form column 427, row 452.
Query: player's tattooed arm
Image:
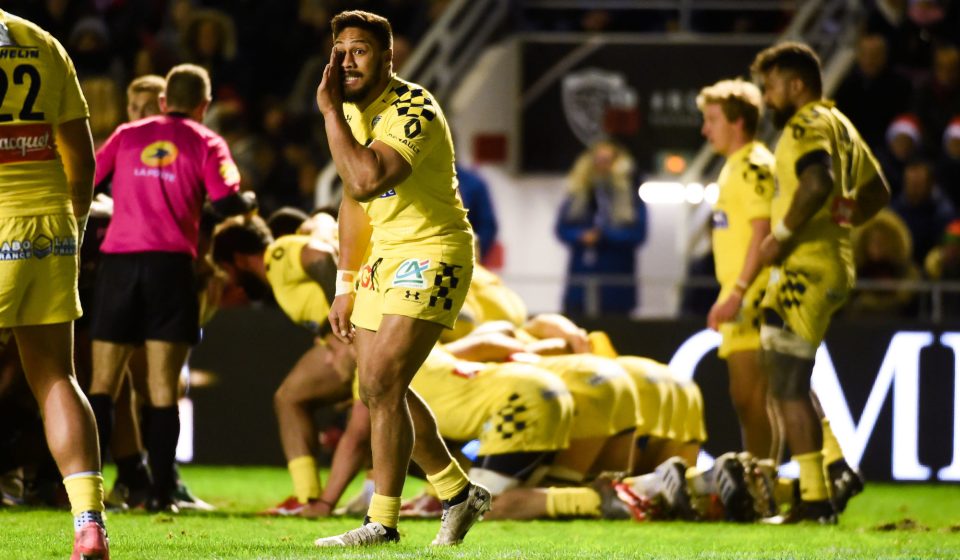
column 815, row 175
column 870, row 198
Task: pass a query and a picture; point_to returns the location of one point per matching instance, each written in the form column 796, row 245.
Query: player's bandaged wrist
column 781, row 232
column 345, row 282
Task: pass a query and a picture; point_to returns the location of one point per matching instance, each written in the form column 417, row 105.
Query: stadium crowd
column 567, row 425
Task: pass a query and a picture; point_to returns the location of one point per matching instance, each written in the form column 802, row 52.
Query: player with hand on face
column 392, row 148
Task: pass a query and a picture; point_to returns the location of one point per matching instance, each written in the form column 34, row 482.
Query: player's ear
column 388, row 57
column 162, row 101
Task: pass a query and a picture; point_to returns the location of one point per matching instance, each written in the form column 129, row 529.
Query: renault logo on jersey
column 410, row 273
column 159, row 154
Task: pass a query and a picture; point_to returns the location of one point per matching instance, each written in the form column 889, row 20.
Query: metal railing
column 684, row 9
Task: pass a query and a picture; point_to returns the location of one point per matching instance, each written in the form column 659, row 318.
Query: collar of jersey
column 383, row 97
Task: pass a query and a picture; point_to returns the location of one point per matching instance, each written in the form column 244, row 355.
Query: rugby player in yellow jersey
column 741, row 221
column 47, row 168
column 827, row 181
column 300, row 271
column 394, row 152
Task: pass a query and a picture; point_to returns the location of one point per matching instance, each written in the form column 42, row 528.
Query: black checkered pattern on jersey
column 443, row 283
column 414, row 103
column 793, row 288
column 510, row 418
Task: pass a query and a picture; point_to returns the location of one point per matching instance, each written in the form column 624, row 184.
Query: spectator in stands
column 882, row 250
column 872, row 94
column 903, row 143
column 603, row 221
column 99, row 73
column 923, row 207
column 938, row 100
column 948, row 172
column 943, row 263
column 210, row 41
column 476, row 199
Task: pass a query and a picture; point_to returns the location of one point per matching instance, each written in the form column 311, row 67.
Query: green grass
column 927, row 520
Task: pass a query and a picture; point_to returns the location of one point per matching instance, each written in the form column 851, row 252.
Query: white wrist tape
column 781, row 232
column 345, row 282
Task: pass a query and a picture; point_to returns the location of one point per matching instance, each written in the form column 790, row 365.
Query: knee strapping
column 790, row 379
column 784, row 341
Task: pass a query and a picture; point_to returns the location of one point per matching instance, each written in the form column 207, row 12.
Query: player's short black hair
column 794, row 57
column 187, row 87
column 247, row 236
column 379, row 26
column 286, row 221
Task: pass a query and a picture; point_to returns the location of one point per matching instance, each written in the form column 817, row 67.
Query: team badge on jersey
column 410, row 273
column 159, row 154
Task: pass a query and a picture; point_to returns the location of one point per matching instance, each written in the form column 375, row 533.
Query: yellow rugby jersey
column 490, row 300
column 819, row 126
column 40, row 91
column 463, row 394
column 300, row 297
column 425, row 210
column 746, row 189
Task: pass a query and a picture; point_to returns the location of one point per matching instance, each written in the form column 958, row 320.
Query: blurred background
column 541, row 94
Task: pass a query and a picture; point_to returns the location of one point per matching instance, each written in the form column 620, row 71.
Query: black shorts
column 146, row 296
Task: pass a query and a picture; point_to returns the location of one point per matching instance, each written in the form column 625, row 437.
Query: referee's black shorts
column 146, row 296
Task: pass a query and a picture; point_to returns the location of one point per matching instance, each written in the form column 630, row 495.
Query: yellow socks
column 85, row 491
column 572, row 502
column 813, row 484
column 306, row 480
column 831, row 447
column 450, row 481
column 385, row 510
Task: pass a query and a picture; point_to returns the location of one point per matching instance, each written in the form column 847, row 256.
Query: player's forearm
column 813, row 190
column 870, row 198
column 355, row 231
column 359, row 167
column 79, row 163
column 751, row 264
column 350, row 455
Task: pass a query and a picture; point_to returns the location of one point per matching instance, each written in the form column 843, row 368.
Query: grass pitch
column 887, row 521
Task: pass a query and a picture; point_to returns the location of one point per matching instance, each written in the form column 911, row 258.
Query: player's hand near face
column 339, row 317
column 330, row 91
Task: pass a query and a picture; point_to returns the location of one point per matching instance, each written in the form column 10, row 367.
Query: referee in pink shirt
column 162, row 169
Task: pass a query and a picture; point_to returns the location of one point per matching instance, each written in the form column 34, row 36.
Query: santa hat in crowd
column 952, row 132
column 906, row 123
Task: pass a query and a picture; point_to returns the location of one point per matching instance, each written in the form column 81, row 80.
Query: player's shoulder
column 411, row 99
column 199, row 129
column 285, row 245
column 15, row 29
column 23, row 39
column 818, row 115
column 759, row 155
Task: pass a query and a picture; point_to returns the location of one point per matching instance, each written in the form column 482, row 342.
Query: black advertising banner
column 890, row 390
column 641, row 92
